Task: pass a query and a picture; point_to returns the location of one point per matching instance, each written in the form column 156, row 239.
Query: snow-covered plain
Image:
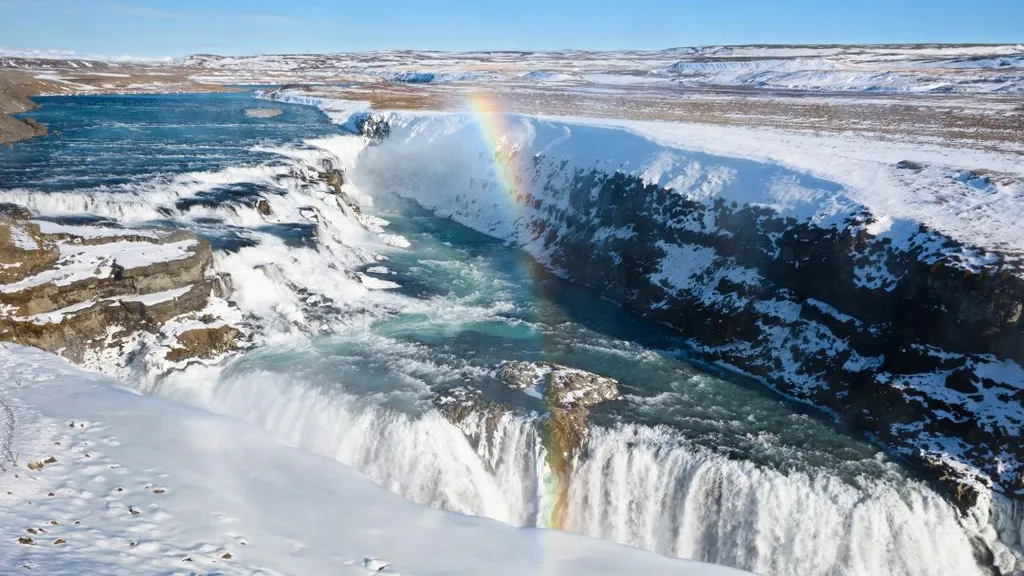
column 866, row 69
column 111, row 482
column 910, row 68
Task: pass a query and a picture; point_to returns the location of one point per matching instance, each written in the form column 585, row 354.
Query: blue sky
column 180, row 27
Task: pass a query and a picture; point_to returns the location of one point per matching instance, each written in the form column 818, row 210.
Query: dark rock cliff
column 916, row 349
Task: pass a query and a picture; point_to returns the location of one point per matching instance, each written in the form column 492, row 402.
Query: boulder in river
column 263, row 207
column 568, row 395
column 560, row 386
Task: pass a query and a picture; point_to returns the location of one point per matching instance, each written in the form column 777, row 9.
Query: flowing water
column 691, row 462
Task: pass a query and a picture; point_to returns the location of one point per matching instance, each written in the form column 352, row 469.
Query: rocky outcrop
column 15, row 90
column 263, row 207
column 567, row 395
column 203, row 343
column 906, row 345
column 372, row 125
column 911, row 345
column 86, row 290
column 14, row 129
column 334, row 178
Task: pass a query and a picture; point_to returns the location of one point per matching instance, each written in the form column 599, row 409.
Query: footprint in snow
column 378, row 566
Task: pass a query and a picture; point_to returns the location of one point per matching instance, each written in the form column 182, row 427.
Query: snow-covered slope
column 974, row 196
column 850, row 70
column 910, row 68
column 110, row 482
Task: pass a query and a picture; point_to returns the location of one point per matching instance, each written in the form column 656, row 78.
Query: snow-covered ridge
column 820, row 179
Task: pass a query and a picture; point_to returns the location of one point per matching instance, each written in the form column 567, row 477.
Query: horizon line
column 72, row 54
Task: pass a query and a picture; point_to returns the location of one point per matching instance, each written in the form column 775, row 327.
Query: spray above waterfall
column 497, row 131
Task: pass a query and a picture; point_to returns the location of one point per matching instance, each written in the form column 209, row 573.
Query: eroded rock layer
column 89, row 291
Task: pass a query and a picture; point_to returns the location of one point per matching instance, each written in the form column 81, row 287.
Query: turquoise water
column 114, row 141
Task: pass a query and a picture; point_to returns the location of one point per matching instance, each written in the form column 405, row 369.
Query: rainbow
column 497, row 132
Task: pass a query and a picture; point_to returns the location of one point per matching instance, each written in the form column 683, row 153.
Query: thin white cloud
column 63, row 54
column 37, row 53
column 143, row 11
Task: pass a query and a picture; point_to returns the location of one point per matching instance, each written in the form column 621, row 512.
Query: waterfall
column 421, row 457
column 644, row 487
column 636, row 485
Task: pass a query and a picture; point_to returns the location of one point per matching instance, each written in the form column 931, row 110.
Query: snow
column 395, row 240
column 821, row 178
column 682, row 264
column 47, row 227
column 80, row 262
column 866, row 170
column 133, row 484
column 339, row 111
column 21, row 238
column 897, row 69
column 156, row 297
column 377, row 284
column 57, row 316
column 548, row 76
column 991, row 406
column 831, row 311
column 863, row 70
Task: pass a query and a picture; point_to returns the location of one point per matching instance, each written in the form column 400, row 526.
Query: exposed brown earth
column 15, row 90
column 74, row 315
